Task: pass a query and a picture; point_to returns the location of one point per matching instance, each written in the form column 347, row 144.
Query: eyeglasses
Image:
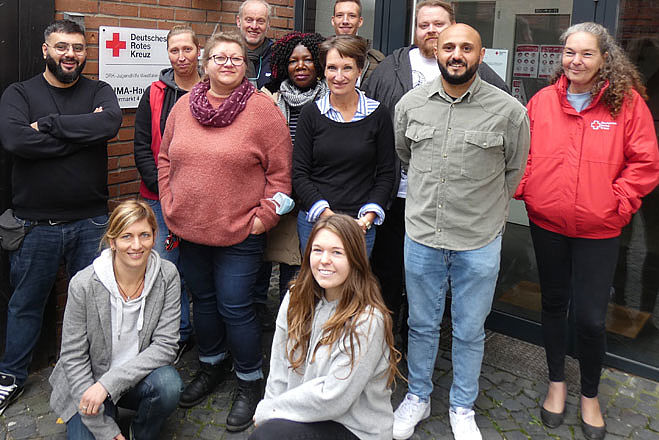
column 61, row 48
column 221, row 60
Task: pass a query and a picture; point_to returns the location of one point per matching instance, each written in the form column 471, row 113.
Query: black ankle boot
column 247, row 396
column 207, row 378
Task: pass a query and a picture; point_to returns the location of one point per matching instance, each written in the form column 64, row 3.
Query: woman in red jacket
column 593, row 156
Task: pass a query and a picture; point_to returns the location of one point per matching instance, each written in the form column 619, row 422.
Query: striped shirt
column 365, row 106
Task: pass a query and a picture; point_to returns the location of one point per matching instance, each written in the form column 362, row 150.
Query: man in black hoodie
column 400, row 72
column 56, row 126
column 155, row 105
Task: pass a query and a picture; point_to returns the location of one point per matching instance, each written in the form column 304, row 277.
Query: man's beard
column 458, row 79
column 59, row 73
column 427, row 50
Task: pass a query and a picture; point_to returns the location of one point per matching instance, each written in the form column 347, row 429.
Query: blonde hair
column 124, row 215
column 183, row 29
column 222, row 37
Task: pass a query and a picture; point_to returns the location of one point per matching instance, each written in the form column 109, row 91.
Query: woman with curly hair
column 593, row 157
column 296, row 81
column 333, row 358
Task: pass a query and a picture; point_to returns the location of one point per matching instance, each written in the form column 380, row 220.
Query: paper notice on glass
column 526, row 61
column 550, row 59
column 497, row 59
column 518, row 91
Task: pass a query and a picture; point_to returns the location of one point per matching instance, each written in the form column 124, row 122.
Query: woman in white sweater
column 333, row 359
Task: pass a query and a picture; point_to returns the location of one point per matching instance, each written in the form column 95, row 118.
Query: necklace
column 126, row 296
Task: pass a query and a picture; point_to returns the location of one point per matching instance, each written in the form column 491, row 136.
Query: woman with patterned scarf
column 296, row 80
column 224, row 163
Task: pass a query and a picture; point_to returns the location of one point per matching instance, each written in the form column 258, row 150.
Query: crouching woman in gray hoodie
column 333, row 359
column 120, row 334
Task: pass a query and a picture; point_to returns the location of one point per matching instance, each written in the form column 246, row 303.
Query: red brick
column 128, row 119
column 113, row 191
column 284, row 12
column 117, row 9
column 190, row 15
column 278, row 2
column 120, row 148
column 203, row 28
column 91, row 37
column 126, row 134
column 93, row 22
column 156, row 12
column 227, row 18
column 84, row 6
column 213, row 16
column 207, row 4
column 129, row 22
column 178, row 3
column 150, row 2
column 231, row 6
column 92, row 53
column 126, row 161
column 113, row 163
column 130, row 188
column 276, row 22
column 91, row 68
column 121, row 176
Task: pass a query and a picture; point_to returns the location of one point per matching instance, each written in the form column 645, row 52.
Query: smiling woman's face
column 133, row 245
column 301, row 68
column 341, row 73
column 582, row 61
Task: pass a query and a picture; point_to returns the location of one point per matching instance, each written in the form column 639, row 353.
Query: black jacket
column 144, row 160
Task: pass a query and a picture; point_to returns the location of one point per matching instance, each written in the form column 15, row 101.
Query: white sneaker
column 463, row 424
column 410, row 412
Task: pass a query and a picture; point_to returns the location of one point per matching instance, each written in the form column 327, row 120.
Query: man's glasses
column 61, row 48
column 221, row 60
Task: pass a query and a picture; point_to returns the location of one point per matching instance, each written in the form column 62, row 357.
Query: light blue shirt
column 579, row 101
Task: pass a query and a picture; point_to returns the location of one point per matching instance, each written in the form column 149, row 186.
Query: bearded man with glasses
column 56, row 125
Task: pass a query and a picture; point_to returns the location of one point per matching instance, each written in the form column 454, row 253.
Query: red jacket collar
column 561, row 88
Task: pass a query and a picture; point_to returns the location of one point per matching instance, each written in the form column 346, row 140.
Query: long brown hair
column 360, row 294
column 618, row 70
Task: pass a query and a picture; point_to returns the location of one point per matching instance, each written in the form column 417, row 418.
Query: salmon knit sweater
column 213, row 181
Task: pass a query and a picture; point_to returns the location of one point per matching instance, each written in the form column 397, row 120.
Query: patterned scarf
column 291, row 96
column 224, row 115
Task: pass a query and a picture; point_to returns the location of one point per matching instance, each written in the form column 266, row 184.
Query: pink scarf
column 224, row 115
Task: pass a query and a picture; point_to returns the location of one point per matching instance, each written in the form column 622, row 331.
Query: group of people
column 360, row 175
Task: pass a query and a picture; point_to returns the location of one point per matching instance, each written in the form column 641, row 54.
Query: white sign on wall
column 497, row 59
column 130, row 59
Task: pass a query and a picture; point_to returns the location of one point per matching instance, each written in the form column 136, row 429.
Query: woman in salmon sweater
column 593, row 157
column 225, row 155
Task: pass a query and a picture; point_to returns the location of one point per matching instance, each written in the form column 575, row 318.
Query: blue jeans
column 33, row 268
column 286, row 274
column 221, row 281
column 154, row 398
column 304, row 231
column 472, row 276
column 173, row 256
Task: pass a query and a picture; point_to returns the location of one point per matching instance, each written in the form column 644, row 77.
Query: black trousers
column 387, row 256
column 578, row 270
column 281, row 429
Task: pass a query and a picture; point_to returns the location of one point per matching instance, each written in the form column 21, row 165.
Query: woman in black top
column 343, row 157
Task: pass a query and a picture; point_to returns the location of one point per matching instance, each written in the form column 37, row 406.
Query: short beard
column 428, row 51
column 59, row 73
column 458, row 79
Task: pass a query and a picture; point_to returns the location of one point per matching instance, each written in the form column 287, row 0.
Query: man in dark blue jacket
column 253, row 20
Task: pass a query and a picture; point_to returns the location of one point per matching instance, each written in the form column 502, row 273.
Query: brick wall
column 202, row 15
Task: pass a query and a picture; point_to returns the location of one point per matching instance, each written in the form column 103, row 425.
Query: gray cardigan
column 329, row 388
column 87, row 344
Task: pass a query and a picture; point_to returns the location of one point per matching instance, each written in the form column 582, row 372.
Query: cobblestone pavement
column 512, row 387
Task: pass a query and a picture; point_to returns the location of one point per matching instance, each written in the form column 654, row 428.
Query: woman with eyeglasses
column 224, row 162
column 343, row 159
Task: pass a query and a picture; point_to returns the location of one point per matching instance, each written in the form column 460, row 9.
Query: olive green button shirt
column 464, row 157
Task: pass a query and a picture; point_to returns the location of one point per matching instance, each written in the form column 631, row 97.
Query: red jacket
column 586, row 172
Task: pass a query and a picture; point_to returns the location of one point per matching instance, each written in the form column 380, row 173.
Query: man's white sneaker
column 463, row 424
column 410, row 412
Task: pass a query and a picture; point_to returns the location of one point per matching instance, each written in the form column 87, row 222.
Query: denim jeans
column 154, row 398
column 472, row 276
column 221, row 281
column 304, row 231
column 173, row 256
column 286, row 274
column 276, row 429
column 33, row 268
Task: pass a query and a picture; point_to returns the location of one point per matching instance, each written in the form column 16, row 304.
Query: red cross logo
column 115, row 44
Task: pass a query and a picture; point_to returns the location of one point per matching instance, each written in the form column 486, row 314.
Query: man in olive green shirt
column 464, row 143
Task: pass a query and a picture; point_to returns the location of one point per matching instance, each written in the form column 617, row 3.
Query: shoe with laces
column 463, row 424
column 205, row 381
column 408, row 414
column 248, row 395
column 9, row 391
column 183, row 347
